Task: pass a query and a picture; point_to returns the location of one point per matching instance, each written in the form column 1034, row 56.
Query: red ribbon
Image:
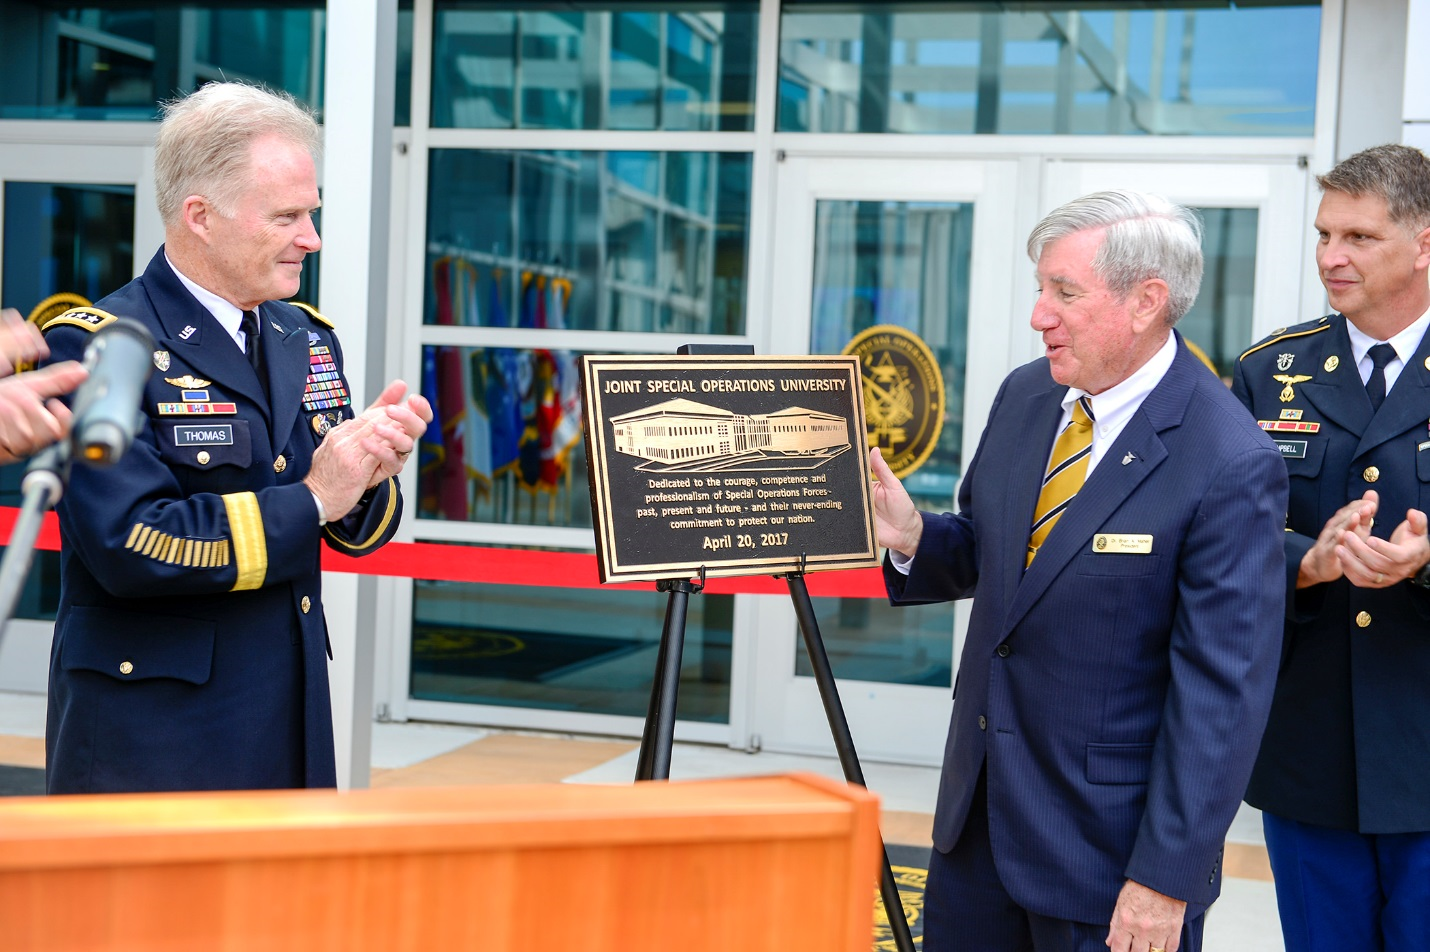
column 445, row 562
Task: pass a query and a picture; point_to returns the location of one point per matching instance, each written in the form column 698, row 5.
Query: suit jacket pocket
column 134, row 646
column 1302, row 452
column 1116, row 563
column 1119, row 763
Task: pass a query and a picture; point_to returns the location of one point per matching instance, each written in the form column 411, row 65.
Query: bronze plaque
column 903, row 395
column 741, row 464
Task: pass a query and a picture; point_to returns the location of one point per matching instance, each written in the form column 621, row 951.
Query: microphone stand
column 45, row 479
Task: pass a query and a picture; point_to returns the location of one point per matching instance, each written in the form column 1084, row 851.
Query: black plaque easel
column 659, row 733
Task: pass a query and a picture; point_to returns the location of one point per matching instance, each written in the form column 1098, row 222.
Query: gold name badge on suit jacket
column 1125, row 543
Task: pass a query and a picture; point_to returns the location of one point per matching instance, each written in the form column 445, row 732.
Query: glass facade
column 635, row 241
column 591, row 652
column 594, row 66
column 59, row 238
column 505, row 441
column 1220, row 323
column 907, row 264
column 117, row 61
column 584, row 175
column 1196, row 69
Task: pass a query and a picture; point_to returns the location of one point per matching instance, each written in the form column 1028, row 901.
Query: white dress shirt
column 229, row 316
column 1405, row 344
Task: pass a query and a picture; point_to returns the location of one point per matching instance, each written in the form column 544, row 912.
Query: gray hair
column 1398, row 174
column 204, row 141
column 1145, row 236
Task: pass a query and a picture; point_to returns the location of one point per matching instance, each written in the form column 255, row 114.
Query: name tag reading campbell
column 1128, row 544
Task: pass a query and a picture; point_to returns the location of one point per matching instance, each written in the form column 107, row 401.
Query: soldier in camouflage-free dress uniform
column 190, row 649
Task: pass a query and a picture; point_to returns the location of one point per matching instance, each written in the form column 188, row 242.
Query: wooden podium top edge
column 140, row 829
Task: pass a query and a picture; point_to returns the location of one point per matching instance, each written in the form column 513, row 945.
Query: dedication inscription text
column 741, row 464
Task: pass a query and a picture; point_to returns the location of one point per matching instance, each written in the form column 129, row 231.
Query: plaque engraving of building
column 744, row 465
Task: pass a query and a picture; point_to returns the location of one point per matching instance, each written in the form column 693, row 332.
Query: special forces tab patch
column 903, row 395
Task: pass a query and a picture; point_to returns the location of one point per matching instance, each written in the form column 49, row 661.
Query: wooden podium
column 770, row 863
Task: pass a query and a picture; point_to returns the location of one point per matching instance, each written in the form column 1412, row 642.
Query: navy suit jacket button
column 982, row 723
column 1004, row 651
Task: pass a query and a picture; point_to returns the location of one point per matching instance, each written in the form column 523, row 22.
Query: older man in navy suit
column 1121, row 528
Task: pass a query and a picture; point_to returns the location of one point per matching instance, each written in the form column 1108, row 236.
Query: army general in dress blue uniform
column 1343, row 776
column 190, row 649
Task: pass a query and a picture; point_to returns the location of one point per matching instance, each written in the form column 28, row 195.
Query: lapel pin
column 1128, row 458
column 1332, row 362
column 187, row 332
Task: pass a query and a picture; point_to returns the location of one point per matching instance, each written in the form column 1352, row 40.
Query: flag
column 452, row 489
column 566, row 425
column 475, row 424
column 431, row 454
column 503, row 396
column 529, row 387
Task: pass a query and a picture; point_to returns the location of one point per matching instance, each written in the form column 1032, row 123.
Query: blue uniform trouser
column 1343, row 891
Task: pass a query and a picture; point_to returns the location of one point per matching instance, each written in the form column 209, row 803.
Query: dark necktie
column 250, row 330
column 1380, row 355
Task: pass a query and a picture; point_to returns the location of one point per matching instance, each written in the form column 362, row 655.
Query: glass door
column 70, row 219
column 1256, row 241
column 923, row 245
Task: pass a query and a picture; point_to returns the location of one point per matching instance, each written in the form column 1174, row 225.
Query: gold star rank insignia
column 1287, row 394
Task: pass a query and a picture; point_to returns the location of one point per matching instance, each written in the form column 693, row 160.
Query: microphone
column 106, row 406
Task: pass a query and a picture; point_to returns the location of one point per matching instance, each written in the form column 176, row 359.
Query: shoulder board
column 1286, row 333
column 90, row 318
column 313, row 313
column 55, row 305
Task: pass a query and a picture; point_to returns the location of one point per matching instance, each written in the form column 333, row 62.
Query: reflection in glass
column 524, row 65
column 71, row 238
column 903, row 263
column 581, row 650
column 640, row 241
column 1054, row 68
column 908, row 264
column 870, row 640
column 1220, row 322
column 505, row 442
column 117, row 61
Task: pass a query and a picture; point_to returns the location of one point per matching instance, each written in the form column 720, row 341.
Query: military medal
column 324, row 387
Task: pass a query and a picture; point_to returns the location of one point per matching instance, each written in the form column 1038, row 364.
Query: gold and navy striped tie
column 1066, row 471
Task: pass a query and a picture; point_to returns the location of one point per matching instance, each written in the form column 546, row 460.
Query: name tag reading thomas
column 220, row 434
column 1107, row 542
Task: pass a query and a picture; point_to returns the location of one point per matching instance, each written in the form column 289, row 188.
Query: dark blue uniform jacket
column 190, row 651
column 1348, row 743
